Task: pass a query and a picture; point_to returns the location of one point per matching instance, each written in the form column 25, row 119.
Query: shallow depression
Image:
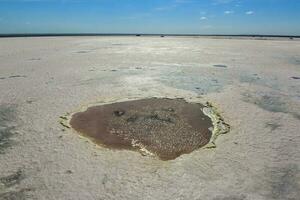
column 163, row 127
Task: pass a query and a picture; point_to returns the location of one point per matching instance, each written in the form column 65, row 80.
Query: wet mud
column 13, row 76
column 7, row 126
column 10, row 187
column 296, row 77
column 272, row 103
column 16, row 195
column 220, row 66
column 166, row 128
column 12, row 179
column 17, row 76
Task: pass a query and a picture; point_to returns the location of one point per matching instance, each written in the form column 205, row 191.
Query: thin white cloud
column 228, row 12
column 166, row 8
column 175, row 4
column 183, row 1
column 250, row 12
column 218, row 2
column 203, row 18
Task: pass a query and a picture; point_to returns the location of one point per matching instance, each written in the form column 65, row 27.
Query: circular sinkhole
column 166, row 128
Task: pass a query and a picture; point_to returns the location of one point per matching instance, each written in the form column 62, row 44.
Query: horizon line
column 138, row 34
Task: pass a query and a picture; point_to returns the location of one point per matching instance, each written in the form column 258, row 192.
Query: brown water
column 167, row 128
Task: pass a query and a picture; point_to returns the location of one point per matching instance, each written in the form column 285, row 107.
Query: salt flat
column 254, row 84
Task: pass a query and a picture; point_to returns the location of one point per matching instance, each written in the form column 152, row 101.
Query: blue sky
column 151, row 16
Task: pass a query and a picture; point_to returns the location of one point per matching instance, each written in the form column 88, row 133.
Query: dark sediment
column 167, row 128
column 222, row 66
column 296, row 77
column 12, row 179
column 7, row 126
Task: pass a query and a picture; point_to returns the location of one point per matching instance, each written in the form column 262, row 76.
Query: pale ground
column 44, row 78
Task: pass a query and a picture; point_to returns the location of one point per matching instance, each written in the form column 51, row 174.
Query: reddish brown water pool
column 164, row 127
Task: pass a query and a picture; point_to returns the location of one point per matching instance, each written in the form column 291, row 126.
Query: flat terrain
column 255, row 84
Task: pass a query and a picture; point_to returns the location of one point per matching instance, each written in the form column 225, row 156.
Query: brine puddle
column 166, row 128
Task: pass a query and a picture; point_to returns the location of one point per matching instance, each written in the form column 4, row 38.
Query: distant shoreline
column 138, row 34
